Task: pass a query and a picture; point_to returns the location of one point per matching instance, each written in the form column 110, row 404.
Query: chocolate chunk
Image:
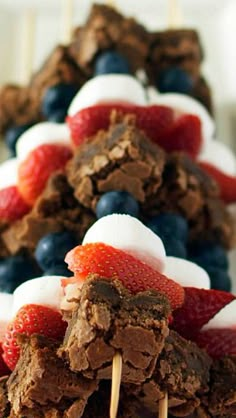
column 183, row 371
column 107, row 319
column 55, row 210
column 42, row 382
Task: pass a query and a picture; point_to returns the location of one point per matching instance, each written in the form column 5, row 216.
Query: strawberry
column 184, row 135
column 218, row 342
column 227, row 183
column 4, row 371
column 154, row 120
column 31, row 319
column 37, row 168
column 12, row 204
column 199, row 307
column 109, row 262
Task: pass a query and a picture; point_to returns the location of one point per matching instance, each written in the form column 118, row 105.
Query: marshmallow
column 6, row 301
column 219, row 155
column 40, row 134
column 130, row 235
column 108, row 88
column 44, row 291
column 185, row 104
column 186, row 273
column 8, row 173
column 225, row 318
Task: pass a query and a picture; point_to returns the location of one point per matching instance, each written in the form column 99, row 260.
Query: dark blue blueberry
column 16, row 270
column 208, row 254
column 174, row 247
column 111, row 62
column 58, row 116
column 169, row 225
column 52, row 248
column 220, row 279
column 117, row 202
column 12, row 135
column 59, row 270
column 57, row 97
column 174, row 80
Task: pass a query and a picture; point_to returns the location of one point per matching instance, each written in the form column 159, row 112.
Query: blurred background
column 38, row 25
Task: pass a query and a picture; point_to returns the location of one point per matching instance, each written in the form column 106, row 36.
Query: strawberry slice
column 227, row 183
column 154, row 120
column 4, row 371
column 218, row 342
column 109, row 262
column 37, row 168
column 157, row 122
column 184, row 135
column 12, row 204
column 31, row 319
column 199, row 307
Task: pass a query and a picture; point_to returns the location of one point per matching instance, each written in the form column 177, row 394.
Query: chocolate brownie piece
column 122, row 158
column 186, row 189
column 41, row 382
column 22, row 105
column 108, row 319
column 108, row 29
column 4, row 404
column 3, row 249
column 55, row 210
column 183, row 371
column 222, row 396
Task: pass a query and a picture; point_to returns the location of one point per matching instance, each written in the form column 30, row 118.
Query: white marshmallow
column 108, row 88
column 8, row 173
column 40, row 134
column 130, row 235
column 219, row 155
column 225, row 318
column 6, row 301
column 186, row 273
column 185, row 104
column 44, row 291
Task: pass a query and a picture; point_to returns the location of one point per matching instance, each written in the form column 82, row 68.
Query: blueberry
column 117, row 202
column 111, row 62
column 58, row 116
column 57, row 97
column 174, row 247
column 169, row 225
column 220, row 279
column 174, row 80
column 12, row 135
column 208, row 254
column 52, row 248
column 16, row 270
column 58, row 270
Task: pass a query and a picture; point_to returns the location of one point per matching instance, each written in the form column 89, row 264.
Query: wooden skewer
column 163, row 407
column 175, row 16
column 27, row 46
column 115, row 384
column 67, row 21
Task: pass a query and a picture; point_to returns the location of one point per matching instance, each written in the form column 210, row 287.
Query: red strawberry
column 154, row 120
column 184, row 135
column 218, row 342
column 12, row 204
column 4, row 371
column 199, row 307
column 227, row 184
column 31, row 319
column 109, row 262
column 37, row 168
